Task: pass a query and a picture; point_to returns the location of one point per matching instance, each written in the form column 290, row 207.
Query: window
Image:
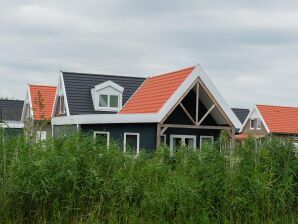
column 206, row 140
column 41, row 135
column 108, row 101
column 107, row 96
column 259, row 122
column 102, row 138
column 103, row 101
column 252, row 124
column 132, row 142
column 163, row 139
column 188, row 141
column 61, row 105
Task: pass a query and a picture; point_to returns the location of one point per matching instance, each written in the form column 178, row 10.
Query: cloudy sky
column 248, row 48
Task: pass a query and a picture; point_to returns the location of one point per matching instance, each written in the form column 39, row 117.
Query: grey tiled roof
column 241, row 114
column 78, row 89
column 11, row 110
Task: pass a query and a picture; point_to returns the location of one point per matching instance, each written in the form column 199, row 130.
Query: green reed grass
column 73, row 180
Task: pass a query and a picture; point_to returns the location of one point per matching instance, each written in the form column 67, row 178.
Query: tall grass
column 71, row 180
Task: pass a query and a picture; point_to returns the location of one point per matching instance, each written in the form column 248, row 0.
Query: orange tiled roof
column 278, row 119
column 155, row 92
column 47, row 94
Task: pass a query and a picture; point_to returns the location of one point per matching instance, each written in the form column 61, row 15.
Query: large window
column 132, row 142
column 188, row 141
column 102, row 138
column 206, row 140
column 108, row 101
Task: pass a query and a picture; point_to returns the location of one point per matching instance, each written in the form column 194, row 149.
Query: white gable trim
column 198, row 72
column 58, row 93
column 254, row 109
column 28, row 100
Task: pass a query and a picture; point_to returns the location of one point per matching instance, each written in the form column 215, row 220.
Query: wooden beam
column 196, row 126
column 208, row 112
column 197, row 102
column 215, row 102
column 158, row 135
column 163, row 131
column 179, row 101
column 189, row 116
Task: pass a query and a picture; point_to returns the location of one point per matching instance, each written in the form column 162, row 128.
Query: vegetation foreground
column 72, row 180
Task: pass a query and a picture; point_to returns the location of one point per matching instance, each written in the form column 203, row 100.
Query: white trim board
column 138, row 141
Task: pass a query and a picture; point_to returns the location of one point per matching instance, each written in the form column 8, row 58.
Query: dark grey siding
column 63, row 130
column 11, row 110
column 196, row 132
column 78, row 90
column 147, row 133
column 241, row 114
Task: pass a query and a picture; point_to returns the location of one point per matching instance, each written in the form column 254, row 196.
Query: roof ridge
column 97, row 74
column 277, row 106
column 42, row 85
column 168, row 73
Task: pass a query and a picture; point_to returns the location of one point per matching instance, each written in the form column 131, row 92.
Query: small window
column 41, row 135
column 206, row 140
column 259, row 122
column 252, row 124
column 114, row 101
column 61, row 105
column 132, row 142
column 103, row 100
column 102, row 138
column 163, row 139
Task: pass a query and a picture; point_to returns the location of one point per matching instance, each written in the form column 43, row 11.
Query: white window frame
column 109, row 108
column 206, row 137
column 40, row 136
column 183, row 137
column 165, row 139
column 108, row 88
column 138, row 141
column 259, row 124
column 103, row 133
column 250, row 127
column 62, row 110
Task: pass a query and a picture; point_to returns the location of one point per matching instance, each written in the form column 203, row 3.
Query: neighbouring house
column 180, row 107
column 277, row 120
column 10, row 115
column 37, row 110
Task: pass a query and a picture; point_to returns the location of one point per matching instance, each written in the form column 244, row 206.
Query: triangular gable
column 60, row 92
column 40, row 99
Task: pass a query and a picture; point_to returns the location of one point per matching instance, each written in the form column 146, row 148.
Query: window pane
column 101, row 139
column 131, row 143
column 103, row 100
column 206, row 141
column 259, row 124
column 114, row 101
column 190, row 143
column 252, row 124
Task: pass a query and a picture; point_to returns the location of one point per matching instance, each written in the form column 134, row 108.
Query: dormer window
column 107, row 96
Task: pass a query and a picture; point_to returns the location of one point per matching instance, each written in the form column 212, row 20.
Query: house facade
column 176, row 108
column 37, row 110
column 10, row 115
column 277, row 120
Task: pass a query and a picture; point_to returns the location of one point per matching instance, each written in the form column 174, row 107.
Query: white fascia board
column 27, row 100
column 12, row 124
column 55, row 101
column 105, row 119
column 198, row 72
column 65, row 95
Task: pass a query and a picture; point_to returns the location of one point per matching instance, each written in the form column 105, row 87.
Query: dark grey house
column 181, row 107
column 10, row 115
column 241, row 114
